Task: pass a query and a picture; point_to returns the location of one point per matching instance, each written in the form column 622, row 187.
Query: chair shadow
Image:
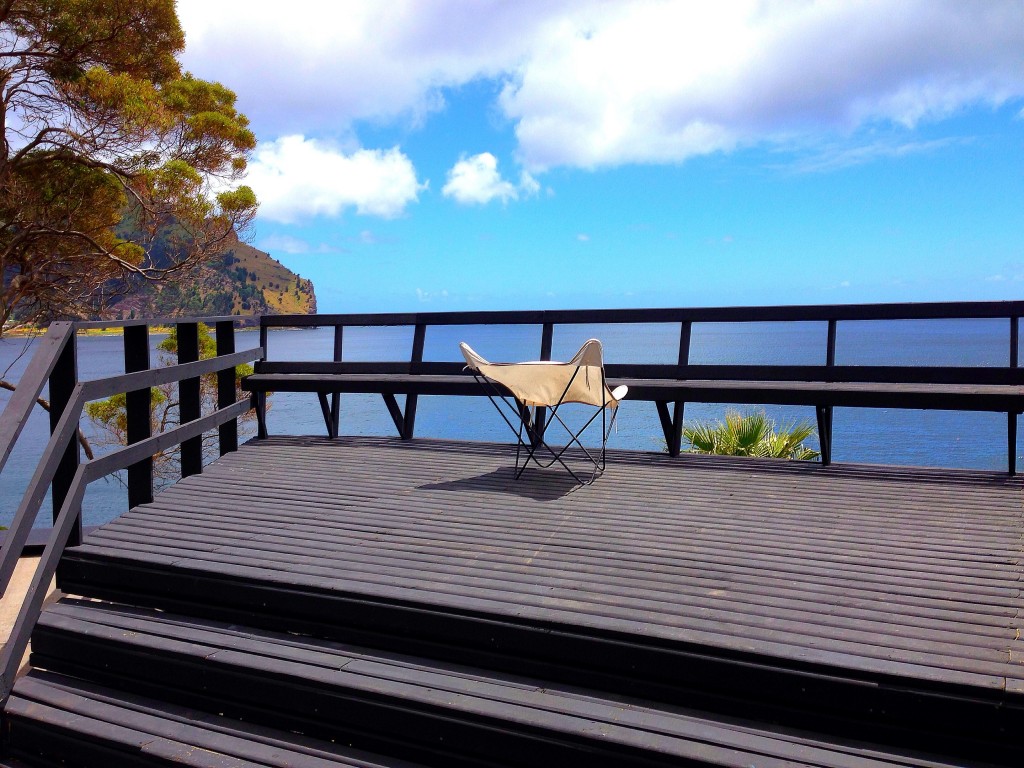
column 535, row 484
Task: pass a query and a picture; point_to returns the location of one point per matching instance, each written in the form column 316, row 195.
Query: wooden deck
column 888, row 570
column 844, row 599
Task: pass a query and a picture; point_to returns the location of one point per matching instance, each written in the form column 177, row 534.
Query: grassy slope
column 284, row 291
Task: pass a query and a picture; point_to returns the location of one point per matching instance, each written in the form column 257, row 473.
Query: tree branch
column 45, row 405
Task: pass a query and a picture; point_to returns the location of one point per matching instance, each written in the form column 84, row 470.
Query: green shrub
column 752, row 434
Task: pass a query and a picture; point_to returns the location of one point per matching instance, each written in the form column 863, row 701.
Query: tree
column 110, row 155
column 111, row 416
column 753, row 434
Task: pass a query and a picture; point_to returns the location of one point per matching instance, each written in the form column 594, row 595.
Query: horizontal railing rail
column 788, row 313
column 55, row 361
column 165, row 322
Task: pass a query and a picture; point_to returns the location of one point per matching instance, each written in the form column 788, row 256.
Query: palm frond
column 751, row 434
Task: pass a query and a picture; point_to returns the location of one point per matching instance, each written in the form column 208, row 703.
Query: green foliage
column 110, row 415
column 752, row 434
column 102, row 127
column 207, row 349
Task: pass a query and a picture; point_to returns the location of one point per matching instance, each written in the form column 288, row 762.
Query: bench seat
column 965, row 397
column 382, row 383
column 822, row 395
column 959, row 397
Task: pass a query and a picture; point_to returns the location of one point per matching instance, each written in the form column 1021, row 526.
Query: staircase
column 156, row 666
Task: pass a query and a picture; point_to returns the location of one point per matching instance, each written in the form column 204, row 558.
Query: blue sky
column 485, row 155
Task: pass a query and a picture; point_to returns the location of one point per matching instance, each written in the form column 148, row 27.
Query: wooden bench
column 997, row 389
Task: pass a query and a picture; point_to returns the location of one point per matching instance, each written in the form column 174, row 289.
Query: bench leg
column 1011, row 443
column 410, row 417
column 671, row 425
column 539, row 421
column 259, row 402
column 395, row 411
column 824, row 414
column 335, row 413
column 325, row 408
column 677, row 427
column 666, row 425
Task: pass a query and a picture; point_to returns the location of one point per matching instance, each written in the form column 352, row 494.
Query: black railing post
column 824, row 412
column 227, row 433
column 259, row 399
column 1011, row 418
column 339, row 337
column 138, row 414
column 419, row 337
column 189, row 399
column 63, row 379
column 675, row 441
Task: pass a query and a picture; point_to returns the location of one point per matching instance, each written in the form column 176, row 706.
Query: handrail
column 19, row 407
column 161, row 321
column 37, row 488
column 14, row 649
column 64, row 427
column 779, row 313
column 68, row 424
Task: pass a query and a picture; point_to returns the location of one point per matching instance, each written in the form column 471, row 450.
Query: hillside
column 243, row 280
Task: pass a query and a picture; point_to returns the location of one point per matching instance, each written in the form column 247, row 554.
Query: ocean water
column 878, row 436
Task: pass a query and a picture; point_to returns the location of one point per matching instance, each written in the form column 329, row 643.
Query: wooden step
column 821, row 696
column 56, row 720
column 436, row 713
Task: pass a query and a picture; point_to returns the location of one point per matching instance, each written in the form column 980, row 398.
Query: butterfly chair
column 520, row 390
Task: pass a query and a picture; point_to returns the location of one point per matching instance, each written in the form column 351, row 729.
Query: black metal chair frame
column 531, row 422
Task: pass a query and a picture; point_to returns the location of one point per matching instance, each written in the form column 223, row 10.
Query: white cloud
column 660, row 82
column 476, row 180
column 295, row 178
column 589, row 83
column 427, row 296
column 294, row 245
column 323, row 64
column 528, row 185
column 583, row 237
column 837, row 156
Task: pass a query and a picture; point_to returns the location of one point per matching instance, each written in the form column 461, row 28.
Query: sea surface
column 877, row 436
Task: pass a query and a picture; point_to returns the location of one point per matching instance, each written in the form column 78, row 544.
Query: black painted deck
column 912, row 573
column 400, row 601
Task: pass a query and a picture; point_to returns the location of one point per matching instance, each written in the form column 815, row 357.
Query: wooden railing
column 60, row 469
column 671, row 412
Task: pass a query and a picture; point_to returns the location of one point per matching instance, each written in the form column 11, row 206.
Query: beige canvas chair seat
column 538, row 385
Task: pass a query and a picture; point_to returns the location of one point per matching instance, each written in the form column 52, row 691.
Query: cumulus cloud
column 588, row 83
column 653, row 82
column 476, row 180
column 296, row 178
column 323, row 64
